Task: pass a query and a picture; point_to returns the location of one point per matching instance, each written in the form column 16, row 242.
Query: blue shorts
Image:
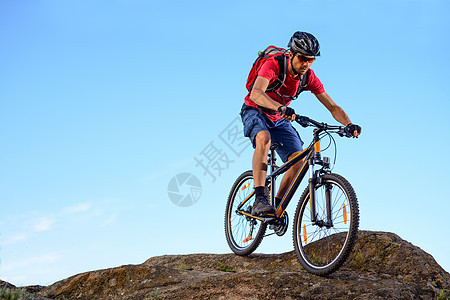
column 280, row 131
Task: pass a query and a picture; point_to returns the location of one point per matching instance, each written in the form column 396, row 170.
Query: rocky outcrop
column 9, row 291
column 6, row 285
column 382, row 266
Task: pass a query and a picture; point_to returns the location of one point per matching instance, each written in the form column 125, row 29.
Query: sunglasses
column 305, row 59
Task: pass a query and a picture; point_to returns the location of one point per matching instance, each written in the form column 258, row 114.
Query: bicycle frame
column 311, row 156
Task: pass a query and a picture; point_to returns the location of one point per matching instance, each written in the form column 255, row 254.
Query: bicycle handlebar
column 305, row 122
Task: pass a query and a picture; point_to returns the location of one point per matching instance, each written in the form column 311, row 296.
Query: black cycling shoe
column 262, row 207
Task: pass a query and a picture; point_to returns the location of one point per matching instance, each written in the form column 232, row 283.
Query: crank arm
column 271, row 217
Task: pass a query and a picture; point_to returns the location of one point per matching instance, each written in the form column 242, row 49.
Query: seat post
column 272, row 160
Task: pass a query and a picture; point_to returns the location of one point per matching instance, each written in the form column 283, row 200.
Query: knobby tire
column 322, row 250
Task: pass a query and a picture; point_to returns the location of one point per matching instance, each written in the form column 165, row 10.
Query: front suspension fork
column 313, row 181
column 328, row 200
column 312, row 192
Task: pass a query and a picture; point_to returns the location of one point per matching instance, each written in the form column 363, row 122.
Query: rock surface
column 382, row 266
column 7, row 290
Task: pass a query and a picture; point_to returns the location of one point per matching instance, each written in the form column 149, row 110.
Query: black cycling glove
column 352, row 127
column 286, row 111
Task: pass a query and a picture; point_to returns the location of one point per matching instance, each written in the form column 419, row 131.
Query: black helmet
column 304, row 43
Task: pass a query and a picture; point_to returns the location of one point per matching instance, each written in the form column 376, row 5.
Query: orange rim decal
column 344, row 212
column 245, row 186
column 304, row 234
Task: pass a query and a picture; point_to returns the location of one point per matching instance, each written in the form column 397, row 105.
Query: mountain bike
column 327, row 216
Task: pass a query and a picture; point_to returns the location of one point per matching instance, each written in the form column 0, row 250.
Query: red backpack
column 280, row 55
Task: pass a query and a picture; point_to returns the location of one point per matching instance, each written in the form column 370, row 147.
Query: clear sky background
column 102, row 103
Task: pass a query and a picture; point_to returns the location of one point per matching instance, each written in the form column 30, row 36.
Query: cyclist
column 267, row 116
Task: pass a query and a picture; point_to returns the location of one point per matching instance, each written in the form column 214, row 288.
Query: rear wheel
column 243, row 233
column 323, row 246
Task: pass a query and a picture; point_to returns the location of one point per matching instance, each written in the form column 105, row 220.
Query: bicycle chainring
column 281, row 226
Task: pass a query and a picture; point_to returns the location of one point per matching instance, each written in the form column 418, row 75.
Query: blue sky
column 103, row 103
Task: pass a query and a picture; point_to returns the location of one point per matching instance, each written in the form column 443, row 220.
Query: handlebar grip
column 302, row 120
column 344, row 132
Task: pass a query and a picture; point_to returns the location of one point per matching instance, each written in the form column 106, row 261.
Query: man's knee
column 262, row 139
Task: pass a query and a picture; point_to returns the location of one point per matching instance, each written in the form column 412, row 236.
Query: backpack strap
column 282, row 71
column 302, row 85
column 278, row 83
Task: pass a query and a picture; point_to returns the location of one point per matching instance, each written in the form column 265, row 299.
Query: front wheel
column 323, row 245
column 243, row 233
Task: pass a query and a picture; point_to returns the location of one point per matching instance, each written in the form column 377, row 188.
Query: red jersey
column 270, row 71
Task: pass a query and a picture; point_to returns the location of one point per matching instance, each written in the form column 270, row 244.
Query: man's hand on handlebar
column 287, row 112
column 353, row 129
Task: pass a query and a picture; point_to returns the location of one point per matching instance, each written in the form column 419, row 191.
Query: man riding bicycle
column 267, row 117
